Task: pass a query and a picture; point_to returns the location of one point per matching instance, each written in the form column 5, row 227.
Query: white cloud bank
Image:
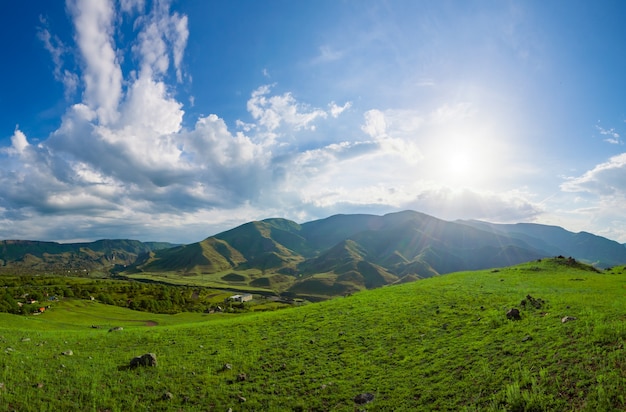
column 122, row 165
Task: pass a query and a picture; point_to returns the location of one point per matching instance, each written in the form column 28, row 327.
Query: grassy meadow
column 441, row 343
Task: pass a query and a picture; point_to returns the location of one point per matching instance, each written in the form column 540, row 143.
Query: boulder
column 147, row 359
column 536, row 303
column 363, row 398
column 513, row 314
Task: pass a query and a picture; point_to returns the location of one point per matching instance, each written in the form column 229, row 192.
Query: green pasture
column 222, row 279
column 437, row 344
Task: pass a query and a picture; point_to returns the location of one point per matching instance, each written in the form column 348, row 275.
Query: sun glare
column 459, row 163
column 464, row 167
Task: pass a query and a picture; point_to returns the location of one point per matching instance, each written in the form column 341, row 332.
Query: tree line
column 20, row 294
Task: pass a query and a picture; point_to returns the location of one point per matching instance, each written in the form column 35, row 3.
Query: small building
column 241, row 298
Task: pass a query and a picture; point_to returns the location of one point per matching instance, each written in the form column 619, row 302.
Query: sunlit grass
column 437, row 344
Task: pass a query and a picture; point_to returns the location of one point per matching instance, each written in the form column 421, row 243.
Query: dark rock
column 513, row 314
column 363, row 398
column 147, row 359
column 536, row 303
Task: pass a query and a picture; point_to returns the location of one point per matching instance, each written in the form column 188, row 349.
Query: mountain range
column 332, row 256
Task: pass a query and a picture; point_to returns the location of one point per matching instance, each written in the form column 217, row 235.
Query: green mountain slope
column 210, row 255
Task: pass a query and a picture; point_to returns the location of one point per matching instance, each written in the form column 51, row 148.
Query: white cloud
column 612, row 136
column 273, row 111
column 505, row 207
column 605, row 179
column 452, row 112
column 336, row 110
column 102, row 75
column 129, row 6
column 375, row 125
column 19, row 142
column 149, row 108
column 327, row 54
column 57, row 49
column 162, row 34
column 395, row 132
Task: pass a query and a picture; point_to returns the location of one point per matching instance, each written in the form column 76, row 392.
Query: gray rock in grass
column 513, row 314
column 363, row 398
column 147, row 359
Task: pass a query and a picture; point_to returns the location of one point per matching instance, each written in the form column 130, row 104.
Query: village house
column 241, row 298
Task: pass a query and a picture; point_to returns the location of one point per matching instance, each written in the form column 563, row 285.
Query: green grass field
column 437, row 344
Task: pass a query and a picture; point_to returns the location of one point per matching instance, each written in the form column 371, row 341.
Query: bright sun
column 464, row 167
column 464, row 160
column 459, row 163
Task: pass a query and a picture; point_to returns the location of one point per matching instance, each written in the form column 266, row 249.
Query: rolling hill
column 441, row 344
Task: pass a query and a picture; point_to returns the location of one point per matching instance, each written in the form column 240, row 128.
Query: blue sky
column 175, row 120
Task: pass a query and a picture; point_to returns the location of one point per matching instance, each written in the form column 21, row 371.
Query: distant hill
column 35, row 256
column 345, row 253
column 337, row 255
column 555, row 240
